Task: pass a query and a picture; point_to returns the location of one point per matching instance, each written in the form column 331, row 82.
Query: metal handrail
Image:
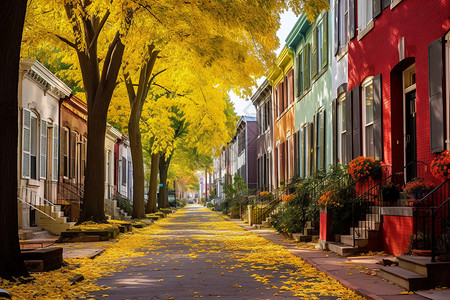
column 434, row 213
column 43, row 201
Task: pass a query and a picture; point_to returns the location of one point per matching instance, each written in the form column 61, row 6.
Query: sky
column 245, row 107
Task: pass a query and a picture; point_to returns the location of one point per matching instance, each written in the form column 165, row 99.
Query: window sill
column 285, row 111
column 395, row 3
column 33, row 182
column 342, row 52
column 313, row 81
column 362, row 33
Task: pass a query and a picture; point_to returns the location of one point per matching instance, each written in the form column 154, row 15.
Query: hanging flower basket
column 418, row 188
column 364, row 166
column 440, row 166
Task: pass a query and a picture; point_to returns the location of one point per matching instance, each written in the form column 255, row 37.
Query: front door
column 410, row 135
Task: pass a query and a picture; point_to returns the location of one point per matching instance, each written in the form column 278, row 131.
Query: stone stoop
column 56, row 226
column 35, row 237
column 417, row 273
column 366, row 235
column 42, row 260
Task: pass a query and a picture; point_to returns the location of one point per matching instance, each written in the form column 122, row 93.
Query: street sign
column 160, row 185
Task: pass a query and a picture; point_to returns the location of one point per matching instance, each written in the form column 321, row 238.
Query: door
column 410, row 135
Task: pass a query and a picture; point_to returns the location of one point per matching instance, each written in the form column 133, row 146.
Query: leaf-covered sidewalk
column 193, row 253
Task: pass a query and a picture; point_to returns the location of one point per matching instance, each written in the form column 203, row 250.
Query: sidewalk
column 359, row 273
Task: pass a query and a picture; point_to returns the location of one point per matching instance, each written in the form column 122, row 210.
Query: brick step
column 41, row 260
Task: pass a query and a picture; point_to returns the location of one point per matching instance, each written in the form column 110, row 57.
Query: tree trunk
column 153, row 184
column 138, row 164
column 94, row 195
column 206, row 186
column 163, row 199
column 12, row 13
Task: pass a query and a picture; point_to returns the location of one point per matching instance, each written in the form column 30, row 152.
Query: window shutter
column 124, row 171
column 435, row 89
column 55, row 153
column 356, row 103
column 299, row 75
column 348, row 126
column 376, row 8
column 26, row 143
column 306, row 58
column 43, row 154
column 314, row 59
column 386, row 3
column 311, row 148
column 325, row 40
column 291, row 86
column 315, row 143
column 336, row 27
column 73, row 143
column 351, row 19
column 302, row 152
column 321, row 141
column 334, row 135
column 377, row 118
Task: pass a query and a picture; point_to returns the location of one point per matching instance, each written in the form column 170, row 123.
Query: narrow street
column 195, row 253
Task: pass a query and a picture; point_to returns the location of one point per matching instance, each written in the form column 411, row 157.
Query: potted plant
column 364, row 167
column 390, row 193
column 418, row 188
column 440, row 166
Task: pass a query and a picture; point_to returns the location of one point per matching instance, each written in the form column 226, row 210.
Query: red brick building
column 398, row 75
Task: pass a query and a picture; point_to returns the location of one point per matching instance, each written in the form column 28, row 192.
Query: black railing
column 67, row 195
column 431, row 221
column 123, row 202
column 267, row 204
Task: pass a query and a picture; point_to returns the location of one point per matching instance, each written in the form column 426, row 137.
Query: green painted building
column 313, row 99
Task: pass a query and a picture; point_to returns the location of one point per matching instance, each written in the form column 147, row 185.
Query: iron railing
column 268, row 205
column 432, row 221
column 69, row 196
column 30, row 198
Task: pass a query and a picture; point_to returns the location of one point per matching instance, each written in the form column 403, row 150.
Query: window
column 368, row 117
column 43, row 154
column 73, row 152
column 65, row 152
column 83, row 157
column 364, row 14
column 342, row 129
column 124, row 171
column 29, row 144
column 344, row 24
column 288, row 159
column 55, row 153
column 286, row 79
column 319, row 41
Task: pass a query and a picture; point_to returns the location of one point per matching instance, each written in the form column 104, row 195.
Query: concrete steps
column 417, row 272
column 342, row 249
column 366, row 231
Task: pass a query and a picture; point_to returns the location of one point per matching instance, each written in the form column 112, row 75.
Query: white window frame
column 342, row 130
column 43, row 150
column 319, row 43
column 26, row 145
column 367, row 82
column 365, row 19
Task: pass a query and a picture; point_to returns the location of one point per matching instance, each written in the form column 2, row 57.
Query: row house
column 238, row 157
column 367, row 78
column 262, row 100
column 399, row 92
column 313, row 102
column 281, row 78
column 52, row 152
column 39, row 96
column 246, row 134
